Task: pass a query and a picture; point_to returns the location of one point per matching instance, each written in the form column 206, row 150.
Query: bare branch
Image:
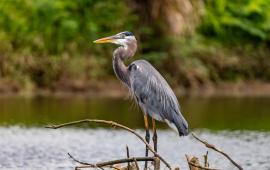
column 113, row 162
column 208, row 145
column 118, row 161
column 114, row 124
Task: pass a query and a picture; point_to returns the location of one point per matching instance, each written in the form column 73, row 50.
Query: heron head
column 122, row 38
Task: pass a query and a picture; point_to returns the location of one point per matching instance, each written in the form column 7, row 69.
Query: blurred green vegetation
column 47, row 42
column 238, row 21
column 239, row 33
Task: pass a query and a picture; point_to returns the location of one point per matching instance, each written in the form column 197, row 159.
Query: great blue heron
column 150, row 90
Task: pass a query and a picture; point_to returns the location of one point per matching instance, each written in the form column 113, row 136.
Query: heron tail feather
column 181, row 125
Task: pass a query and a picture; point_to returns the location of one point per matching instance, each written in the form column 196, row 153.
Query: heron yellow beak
column 105, row 40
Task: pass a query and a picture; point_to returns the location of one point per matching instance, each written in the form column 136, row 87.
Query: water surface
column 43, row 149
column 240, row 126
column 217, row 113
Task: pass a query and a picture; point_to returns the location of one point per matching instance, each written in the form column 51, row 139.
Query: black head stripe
column 127, row 33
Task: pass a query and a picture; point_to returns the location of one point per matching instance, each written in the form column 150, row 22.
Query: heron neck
column 119, row 56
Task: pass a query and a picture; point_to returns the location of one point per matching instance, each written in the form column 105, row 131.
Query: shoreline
column 115, row 89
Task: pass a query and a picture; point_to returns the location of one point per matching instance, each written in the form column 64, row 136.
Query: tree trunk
column 172, row 17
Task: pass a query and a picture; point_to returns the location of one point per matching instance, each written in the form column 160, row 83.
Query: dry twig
column 156, row 164
column 192, row 164
column 136, row 163
column 114, row 124
column 128, row 166
column 80, row 162
column 113, row 162
column 217, row 150
column 206, row 163
column 117, row 161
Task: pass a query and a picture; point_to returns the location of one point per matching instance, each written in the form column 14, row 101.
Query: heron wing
column 154, row 95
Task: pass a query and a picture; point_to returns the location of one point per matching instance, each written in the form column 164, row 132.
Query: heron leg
column 147, row 138
column 154, row 134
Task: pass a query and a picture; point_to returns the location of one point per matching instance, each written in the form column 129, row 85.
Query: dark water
column 220, row 113
column 240, row 126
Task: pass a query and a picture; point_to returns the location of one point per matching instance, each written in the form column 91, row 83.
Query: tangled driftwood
column 132, row 162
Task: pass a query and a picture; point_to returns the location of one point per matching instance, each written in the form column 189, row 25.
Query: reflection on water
column 212, row 113
column 46, row 149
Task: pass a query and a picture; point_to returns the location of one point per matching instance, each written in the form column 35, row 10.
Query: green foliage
column 238, row 20
column 41, row 39
column 50, row 27
column 43, row 42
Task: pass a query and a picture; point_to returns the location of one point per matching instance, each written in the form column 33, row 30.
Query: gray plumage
column 154, row 95
column 150, row 90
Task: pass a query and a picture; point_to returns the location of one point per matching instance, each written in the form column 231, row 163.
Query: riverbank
column 112, row 88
